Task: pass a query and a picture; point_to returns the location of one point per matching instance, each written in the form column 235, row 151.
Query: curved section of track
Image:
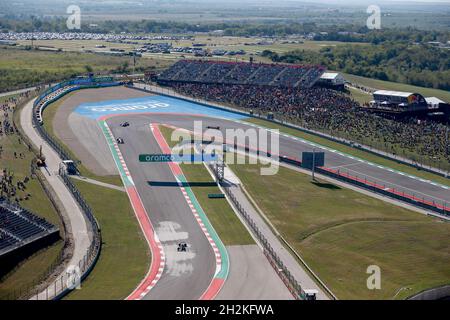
column 189, row 275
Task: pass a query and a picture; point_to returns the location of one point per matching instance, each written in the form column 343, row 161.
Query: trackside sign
column 156, row 158
column 187, row 158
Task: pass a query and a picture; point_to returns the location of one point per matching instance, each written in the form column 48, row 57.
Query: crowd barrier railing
column 67, row 281
column 440, row 208
column 283, row 272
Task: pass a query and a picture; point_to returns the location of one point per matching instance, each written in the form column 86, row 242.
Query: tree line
column 421, row 65
column 345, row 33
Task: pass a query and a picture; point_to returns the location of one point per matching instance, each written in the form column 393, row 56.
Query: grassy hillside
column 340, row 232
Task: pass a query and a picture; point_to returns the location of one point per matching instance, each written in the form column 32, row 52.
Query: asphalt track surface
column 85, row 138
column 186, row 275
column 293, row 148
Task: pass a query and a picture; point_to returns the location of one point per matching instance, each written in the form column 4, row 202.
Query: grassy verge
column 4, row 98
column 224, row 220
column 360, row 96
column 32, row 269
column 125, row 258
column 48, row 116
column 352, row 151
column 340, row 232
column 28, row 272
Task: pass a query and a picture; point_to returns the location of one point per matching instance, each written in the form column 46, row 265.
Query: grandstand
column 21, row 233
column 399, row 101
column 241, row 73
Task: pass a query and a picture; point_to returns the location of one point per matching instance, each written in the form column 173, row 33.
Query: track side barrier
column 364, row 183
column 283, row 272
column 439, row 208
column 442, row 209
column 63, row 284
column 343, row 141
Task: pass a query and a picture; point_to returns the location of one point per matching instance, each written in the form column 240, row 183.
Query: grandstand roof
column 433, row 100
column 393, row 93
column 329, row 75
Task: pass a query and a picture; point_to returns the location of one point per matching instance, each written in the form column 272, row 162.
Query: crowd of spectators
column 332, row 112
column 201, row 71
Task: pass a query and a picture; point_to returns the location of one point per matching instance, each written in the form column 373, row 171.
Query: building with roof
column 397, row 100
column 435, row 103
column 332, row 79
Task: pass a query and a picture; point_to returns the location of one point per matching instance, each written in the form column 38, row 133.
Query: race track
column 187, row 275
column 293, row 147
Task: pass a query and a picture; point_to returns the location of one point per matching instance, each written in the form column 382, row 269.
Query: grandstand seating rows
column 48, row 98
column 18, row 226
column 232, row 73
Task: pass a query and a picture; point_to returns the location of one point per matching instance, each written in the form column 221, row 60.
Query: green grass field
column 224, row 220
column 32, row 269
column 349, row 150
column 340, row 232
column 125, row 257
column 360, row 96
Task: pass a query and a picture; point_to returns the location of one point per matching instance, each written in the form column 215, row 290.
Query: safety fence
column 386, row 190
column 74, row 274
column 391, row 192
column 28, row 290
column 289, row 280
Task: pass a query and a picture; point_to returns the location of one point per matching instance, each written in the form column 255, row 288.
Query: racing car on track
column 125, row 124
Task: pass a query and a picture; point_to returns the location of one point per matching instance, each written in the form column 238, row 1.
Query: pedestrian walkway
column 77, row 224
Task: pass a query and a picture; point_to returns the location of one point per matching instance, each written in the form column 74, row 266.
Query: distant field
column 360, row 96
column 340, row 232
column 76, row 45
column 306, row 45
column 22, row 68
